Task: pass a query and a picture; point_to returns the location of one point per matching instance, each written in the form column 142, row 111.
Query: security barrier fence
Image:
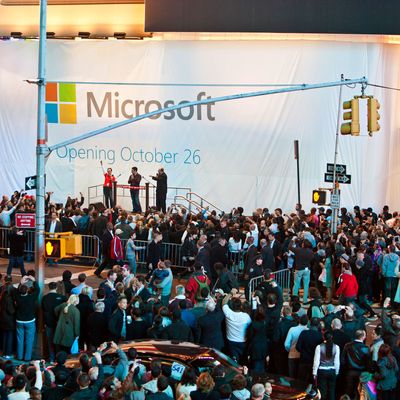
column 281, row 277
column 91, row 251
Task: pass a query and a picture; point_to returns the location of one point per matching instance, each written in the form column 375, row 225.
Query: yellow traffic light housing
column 319, row 197
column 353, row 127
column 373, row 115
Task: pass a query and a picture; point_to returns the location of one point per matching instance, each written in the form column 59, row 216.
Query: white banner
column 232, row 153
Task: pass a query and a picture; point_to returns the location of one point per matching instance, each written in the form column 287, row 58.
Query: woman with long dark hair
column 326, row 367
column 387, row 373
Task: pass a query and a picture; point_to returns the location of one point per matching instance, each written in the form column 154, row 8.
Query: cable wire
column 383, row 87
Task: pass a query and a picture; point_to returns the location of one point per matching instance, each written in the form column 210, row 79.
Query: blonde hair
column 205, row 382
column 72, row 300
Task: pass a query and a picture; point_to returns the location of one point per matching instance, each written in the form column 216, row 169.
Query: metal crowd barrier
column 170, row 251
column 90, row 245
column 281, row 277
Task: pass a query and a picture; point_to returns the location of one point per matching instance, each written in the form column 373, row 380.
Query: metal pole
column 297, row 157
column 41, row 151
column 147, row 200
column 210, row 100
column 335, row 189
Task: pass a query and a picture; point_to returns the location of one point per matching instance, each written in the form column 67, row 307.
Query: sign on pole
column 335, row 200
column 339, row 178
column 30, row 182
column 25, row 220
column 340, row 168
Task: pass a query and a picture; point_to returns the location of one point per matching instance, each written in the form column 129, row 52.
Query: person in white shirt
column 326, row 366
column 20, row 381
column 237, row 322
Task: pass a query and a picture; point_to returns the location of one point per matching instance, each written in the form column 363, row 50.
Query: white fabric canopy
column 233, row 153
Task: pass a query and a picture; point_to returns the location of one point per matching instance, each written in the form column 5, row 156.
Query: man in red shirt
column 348, row 287
column 109, row 180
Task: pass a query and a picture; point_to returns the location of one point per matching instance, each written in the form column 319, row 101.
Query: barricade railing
column 90, row 248
column 236, row 263
column 90, row 244
column 281, row 277
column 30, row 240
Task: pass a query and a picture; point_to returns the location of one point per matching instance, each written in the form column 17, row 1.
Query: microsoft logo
column 61, row 103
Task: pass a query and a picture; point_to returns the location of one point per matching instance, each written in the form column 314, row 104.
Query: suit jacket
column 178, row 330
column 153, row 253
column 249, row 258
column 98, row 226
column 210, row 329
column 268, row 257
column 58, row 227
column 162, row 185
column 277, row 251
column 106, row 243
column 203, row 257
column 115, row 324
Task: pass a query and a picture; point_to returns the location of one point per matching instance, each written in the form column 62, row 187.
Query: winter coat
column 7, row 310
column 68, row 325
column 389, row 264
column 387, row 377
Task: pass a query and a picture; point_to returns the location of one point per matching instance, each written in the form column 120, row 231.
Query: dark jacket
column 227, row 281
column 281, row 331
column 97, row 328
column 203, row 257
column 257, row 340
column 106, row 239
column 153, row 253
column 306, row 344
column 356, row 356
column 26, row 304
column 162, row 184
column 7, row 308
column 98, row 226
column 17, row 244
column 268, row 258
column 115, row 324
column 198, row 395
column 178, row 330
column 91, row 392
column 49, row 302
column 210, row 329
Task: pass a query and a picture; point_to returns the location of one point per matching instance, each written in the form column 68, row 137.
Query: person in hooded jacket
column 389, row 267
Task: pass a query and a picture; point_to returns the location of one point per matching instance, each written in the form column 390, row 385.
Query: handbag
column 75, row 346
column 322, row 276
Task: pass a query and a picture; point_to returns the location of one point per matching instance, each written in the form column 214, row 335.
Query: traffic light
column 373, row 115
column 54, row 248
column 319, row 197
column 353, row 127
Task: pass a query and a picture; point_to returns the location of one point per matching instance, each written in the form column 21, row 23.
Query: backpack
column 200, row 287
column 117, row 251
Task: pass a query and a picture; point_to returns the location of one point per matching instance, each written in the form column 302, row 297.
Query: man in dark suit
column 218, row 254
column 117, row 325
column 162, row 188
column 250, row 255
column 154, row 252
column 106, row 239
column 97, row 325
column 276, row 247
column 267, row 255
column 178, row 330
column 141, row 289
column 54, row 225
column 68, row 224
column 210, row 326
column 203, row 256
column 98, row 225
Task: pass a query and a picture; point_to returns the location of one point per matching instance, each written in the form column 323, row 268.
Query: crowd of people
column 318, row 337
